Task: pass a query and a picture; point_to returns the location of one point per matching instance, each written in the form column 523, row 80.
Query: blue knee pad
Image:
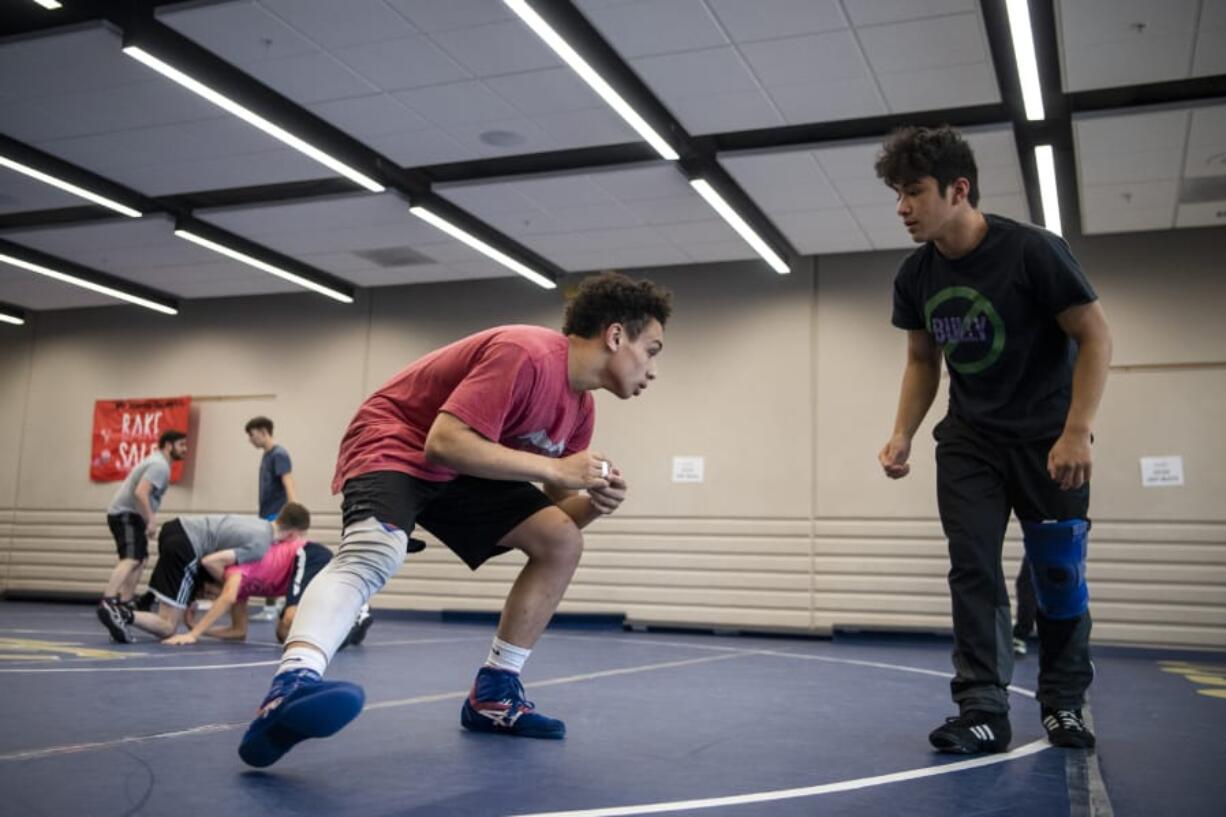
column 1057, row 555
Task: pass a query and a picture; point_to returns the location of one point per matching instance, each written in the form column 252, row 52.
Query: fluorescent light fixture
column 81, row 282
column 1023, row 52
column 13, row 319
column 593, row 79
column 1046, row 162
column 252, row 118
column 68, row 187
column 737, row 223
column 51, row 5
column 263, row 265
column 480, row 246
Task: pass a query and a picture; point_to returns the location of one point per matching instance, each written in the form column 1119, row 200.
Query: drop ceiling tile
column 780, row 182
column 791, row 60
column 719, row 251
column 830, row 100
column 1104, row 168
column 769, row 19
column 1203, row 214
column 875, row 12
column 952, row 86
column 923, row 44
column 593, row 126
column 407, row 62
column 433, row 16
column 1130, row 197
column 696, row 73
column 242, row 32
column 712, row 231
column 644, row 27
column 372, row 115
column 550, row 90
column 457, row 103
column 313, row 77
column 499, row 48
column 1210, row 50
column 35, row 68
column 339, row 25
column 418, row 148
column 815, row 232
column 1131, row 133
column 1101, row 40
column 721, row 113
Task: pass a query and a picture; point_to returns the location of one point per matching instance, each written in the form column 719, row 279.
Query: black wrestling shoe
column 116, row 618
column 1065, row 727
column 973, row 733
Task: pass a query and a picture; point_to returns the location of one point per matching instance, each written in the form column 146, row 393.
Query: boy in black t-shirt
column 1027, row 348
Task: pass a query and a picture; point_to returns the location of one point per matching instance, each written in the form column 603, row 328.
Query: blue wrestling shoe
column 299, row 706
column 496, row 704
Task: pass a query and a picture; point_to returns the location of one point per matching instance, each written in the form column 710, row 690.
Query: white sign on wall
column 1161, row 471
column 688, row 469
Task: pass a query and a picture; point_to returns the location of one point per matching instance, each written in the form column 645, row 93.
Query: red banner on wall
column 127, row 431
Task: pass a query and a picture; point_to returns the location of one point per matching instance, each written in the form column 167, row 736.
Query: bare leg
column 163, row 625
column 553, row 544
column 128, row 590
column 120, row 576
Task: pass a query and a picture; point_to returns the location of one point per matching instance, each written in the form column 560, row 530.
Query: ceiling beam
column 699, row 150
column 89, row 274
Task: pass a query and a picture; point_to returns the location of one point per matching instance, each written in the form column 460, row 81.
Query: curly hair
column 910, row 154
column 611, row 297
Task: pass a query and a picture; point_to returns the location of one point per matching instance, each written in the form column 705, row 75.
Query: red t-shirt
column 510, row 384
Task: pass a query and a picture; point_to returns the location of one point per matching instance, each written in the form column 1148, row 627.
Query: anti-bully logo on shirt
column 968, row 328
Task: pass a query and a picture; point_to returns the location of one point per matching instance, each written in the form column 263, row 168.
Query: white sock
column 507, row 656
column 303, row 658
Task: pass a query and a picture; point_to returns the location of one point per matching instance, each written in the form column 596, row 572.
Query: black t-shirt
column 993, row 313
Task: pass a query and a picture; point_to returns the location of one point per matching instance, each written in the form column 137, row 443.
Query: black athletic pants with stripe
column 979, row 483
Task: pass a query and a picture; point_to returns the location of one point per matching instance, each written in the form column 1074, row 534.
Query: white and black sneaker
column 116, row 617
column 973, row 733
column 1065, row 727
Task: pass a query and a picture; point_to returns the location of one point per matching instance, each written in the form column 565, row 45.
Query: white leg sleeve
column 369, row 555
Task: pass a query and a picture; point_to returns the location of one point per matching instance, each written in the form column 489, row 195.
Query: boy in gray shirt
column 132, row 518
column 191, row 543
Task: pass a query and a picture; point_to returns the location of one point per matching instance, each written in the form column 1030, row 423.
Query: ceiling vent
column 389, row 257
column 1202, row 189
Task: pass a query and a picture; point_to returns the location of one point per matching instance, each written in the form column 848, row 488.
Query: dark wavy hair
column 910, row 154
column 611, row 297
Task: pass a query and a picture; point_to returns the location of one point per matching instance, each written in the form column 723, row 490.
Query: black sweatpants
column 979, row 483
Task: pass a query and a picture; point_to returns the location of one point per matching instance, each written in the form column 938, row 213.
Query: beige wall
column 785, row 384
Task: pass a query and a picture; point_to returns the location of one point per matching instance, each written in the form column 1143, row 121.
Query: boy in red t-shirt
column 453, row 443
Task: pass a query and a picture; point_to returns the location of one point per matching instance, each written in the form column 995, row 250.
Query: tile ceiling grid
column 459, row 81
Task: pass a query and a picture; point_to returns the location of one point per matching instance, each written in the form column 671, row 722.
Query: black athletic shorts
column 311, row 559
column 129, row 532
column 469, row 515
column 174, row 576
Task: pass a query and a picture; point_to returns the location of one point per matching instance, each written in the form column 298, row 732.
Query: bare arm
column 146, row 507
column 216, row 563
column 287, row 481
column 237, row 631
column 221, row 605
column 454, row 444
column 1070, row 461
column 920, row 380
